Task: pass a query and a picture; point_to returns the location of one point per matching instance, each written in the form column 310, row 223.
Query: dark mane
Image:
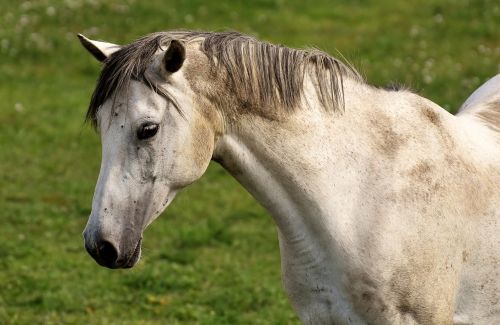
column 260, row 73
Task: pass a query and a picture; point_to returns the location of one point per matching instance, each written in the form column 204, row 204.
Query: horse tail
column 484, row 104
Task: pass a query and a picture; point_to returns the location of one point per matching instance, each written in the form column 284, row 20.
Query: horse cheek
column 202, row 146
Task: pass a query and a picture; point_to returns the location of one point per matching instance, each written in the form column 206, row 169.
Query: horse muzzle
column 108, row 254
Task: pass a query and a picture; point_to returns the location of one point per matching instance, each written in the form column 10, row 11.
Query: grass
column 213, row 257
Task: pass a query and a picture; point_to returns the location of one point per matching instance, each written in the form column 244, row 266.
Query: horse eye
column 147, row 130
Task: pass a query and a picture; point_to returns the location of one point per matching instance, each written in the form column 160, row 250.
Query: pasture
column 213, row 257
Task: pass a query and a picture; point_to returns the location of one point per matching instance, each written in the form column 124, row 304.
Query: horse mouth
column 134, row 258
column 108, row 254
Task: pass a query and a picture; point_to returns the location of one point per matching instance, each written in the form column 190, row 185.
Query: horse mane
column 260, row 74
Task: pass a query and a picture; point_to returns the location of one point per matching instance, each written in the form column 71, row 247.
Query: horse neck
column 305, row 169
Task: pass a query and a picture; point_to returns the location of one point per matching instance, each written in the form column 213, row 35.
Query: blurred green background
column 213, row 257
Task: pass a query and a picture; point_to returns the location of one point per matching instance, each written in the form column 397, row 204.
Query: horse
column 386, row 205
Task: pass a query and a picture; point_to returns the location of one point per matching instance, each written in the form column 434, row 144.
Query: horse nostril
column 107, row 253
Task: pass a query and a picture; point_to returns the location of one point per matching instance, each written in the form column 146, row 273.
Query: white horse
column 387, row 206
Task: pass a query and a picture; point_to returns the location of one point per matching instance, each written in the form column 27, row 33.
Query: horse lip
column 135, row 256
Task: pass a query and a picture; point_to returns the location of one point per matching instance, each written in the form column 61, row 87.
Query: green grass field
column 212, row 258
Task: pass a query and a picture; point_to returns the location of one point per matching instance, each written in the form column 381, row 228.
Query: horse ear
column 100, row 50
column 174, row 56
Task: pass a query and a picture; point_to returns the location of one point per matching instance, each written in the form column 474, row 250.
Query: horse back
column 484, row 104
